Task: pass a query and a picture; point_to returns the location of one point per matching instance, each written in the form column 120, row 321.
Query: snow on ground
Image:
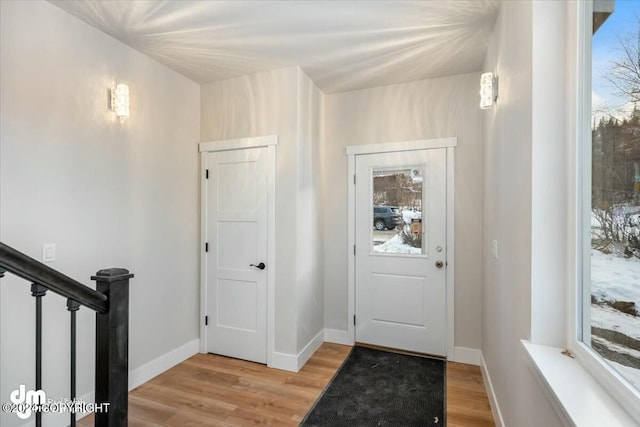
column 408, row 215
column 632, row 375
column 606, row 317
column 397, row 246
column 615, row 278
column 616, row 347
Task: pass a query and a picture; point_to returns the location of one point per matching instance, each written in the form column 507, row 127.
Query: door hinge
column 206, row 320
column 354, row 319
column 354, row 179
column 354, row 249
column 206, row 174
column 206, row 247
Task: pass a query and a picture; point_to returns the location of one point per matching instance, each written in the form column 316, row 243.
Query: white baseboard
column 493, row 401
column 338, row 336
column 284, row 361
column 293, row 363
column 310, row 348
column 162, row 363
column 470, row 356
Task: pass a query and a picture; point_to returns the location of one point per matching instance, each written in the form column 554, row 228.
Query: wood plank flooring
column 210, row 390
column 467, row 402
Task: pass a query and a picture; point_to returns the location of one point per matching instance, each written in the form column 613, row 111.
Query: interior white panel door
column 236, row 229
column 401, row 287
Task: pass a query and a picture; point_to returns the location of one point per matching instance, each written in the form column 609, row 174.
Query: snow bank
column 397, row 246
column 620, row 349
column 606, row 317
column 615, row 278
column 408, row 215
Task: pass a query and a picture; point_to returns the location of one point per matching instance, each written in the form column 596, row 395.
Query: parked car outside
column 386, row 217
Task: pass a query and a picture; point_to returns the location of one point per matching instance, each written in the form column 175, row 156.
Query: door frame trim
column 270, row 142
column 426, row 144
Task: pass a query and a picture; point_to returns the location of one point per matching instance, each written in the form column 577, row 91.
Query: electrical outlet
column 48, row 252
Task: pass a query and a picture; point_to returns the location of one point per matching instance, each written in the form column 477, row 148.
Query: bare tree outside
column 624, row 74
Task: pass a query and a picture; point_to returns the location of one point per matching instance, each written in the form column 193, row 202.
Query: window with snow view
column 397, row 211
column 611, row 288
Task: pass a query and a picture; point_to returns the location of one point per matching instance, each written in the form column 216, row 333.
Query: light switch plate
column 494, row 248
column 48, row 252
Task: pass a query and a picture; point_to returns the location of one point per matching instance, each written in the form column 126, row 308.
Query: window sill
column 577, row 397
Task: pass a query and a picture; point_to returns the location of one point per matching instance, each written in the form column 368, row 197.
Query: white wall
column 549, row 160
column 309, row 274
column 284, row 103
column 424, row 109
column 108, row 194
column 508, row 156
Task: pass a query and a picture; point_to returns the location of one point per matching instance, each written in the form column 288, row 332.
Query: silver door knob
column 439, row 264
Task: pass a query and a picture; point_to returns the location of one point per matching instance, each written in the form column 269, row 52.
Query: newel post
column 112, row 349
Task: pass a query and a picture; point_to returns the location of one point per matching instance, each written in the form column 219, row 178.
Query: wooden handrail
column 34, row 271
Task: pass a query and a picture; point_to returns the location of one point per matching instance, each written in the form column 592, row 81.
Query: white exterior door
column 236, row 234
column 401, row 269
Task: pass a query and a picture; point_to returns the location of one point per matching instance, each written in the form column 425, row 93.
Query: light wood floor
column 209, row 390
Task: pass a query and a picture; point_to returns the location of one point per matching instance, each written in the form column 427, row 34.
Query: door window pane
column 397, row 211
column 611, row 313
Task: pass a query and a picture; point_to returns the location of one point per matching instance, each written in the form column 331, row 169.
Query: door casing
column 425, row 144
column 270, row 142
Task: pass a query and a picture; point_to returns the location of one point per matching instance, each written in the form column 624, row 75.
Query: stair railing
column 110, row 301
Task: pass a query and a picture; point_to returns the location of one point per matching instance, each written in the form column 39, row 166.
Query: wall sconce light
column 488, row 90
column 120, row 101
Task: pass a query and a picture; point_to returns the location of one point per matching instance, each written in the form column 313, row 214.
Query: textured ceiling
column 341, row 45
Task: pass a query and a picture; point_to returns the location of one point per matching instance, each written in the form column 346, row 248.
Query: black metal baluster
column 73, row 307
column 38, row 291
